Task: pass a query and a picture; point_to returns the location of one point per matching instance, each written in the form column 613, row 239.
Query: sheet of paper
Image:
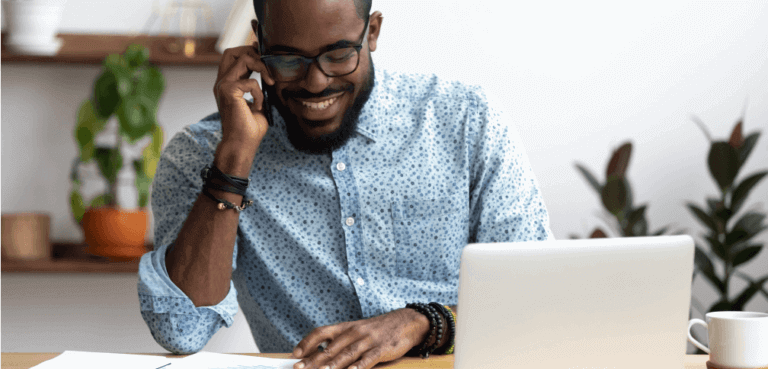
column 211, row 360
column 100, row 360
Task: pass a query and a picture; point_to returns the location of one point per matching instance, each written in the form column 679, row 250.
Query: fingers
column 308, row 345
column 367, row 361
column 341, row 352
column 233, row 91
column 238, row 63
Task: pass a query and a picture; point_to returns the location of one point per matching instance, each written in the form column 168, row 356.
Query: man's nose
column 315, row 81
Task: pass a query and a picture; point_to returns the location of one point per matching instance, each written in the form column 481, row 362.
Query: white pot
column 32, row 25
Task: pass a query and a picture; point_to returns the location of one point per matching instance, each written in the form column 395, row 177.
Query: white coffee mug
column 737, row 339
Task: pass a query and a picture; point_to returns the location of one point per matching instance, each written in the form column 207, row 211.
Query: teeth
column 319, row 106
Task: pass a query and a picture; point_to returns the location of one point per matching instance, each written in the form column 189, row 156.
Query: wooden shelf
column 71, row 258
column 93, row 48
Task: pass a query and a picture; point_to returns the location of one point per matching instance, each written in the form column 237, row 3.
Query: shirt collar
column 369, row 120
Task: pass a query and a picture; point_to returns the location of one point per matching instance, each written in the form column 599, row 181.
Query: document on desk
column 94, row 360
column 211, row 360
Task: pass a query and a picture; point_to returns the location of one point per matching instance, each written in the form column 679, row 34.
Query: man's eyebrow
column 287, row 49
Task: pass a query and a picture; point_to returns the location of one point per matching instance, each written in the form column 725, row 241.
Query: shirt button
column 341, row 166
column 350, row 221
column 360, row 281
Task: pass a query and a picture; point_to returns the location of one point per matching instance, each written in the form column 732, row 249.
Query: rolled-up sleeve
column 506, row 204
column 173, row 320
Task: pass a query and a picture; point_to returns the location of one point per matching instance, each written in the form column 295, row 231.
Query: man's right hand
column 242, row 122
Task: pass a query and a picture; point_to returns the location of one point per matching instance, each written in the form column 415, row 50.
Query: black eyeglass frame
column 308, row 61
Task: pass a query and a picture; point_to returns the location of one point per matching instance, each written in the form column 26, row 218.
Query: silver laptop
column 594, row 303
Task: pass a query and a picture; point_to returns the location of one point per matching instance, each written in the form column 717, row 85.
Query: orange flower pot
column 115, row 234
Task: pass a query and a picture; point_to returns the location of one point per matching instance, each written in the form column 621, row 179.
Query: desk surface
column 28, row 360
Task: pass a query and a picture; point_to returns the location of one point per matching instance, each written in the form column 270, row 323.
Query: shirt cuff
column 157, row 293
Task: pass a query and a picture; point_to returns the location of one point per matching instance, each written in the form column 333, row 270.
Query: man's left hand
column 361, row 344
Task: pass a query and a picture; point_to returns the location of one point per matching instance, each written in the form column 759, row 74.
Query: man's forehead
column 288, row 19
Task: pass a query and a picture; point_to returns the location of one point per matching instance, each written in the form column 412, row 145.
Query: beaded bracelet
column 436, row 330
column 451, row 329
column 453, row 332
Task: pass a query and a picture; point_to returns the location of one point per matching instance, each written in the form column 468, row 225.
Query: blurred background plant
column 129, row 88
column 621, row 215
column 730, row 239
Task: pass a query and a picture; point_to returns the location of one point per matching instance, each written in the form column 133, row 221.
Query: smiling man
column 336, row 197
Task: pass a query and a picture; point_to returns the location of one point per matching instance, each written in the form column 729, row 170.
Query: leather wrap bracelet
column 236, row 185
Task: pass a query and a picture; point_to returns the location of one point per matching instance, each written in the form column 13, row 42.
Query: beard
column 327, row 143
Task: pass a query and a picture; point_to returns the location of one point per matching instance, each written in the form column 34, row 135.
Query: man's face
column 320, row 111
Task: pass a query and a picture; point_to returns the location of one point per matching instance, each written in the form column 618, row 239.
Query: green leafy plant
column 616, row 195
column 130, row 89
column 730, row 238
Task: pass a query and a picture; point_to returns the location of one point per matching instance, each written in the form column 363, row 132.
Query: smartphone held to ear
column 266, row 107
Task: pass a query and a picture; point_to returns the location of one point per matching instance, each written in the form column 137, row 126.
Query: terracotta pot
column 25, row 236
column 115, row 234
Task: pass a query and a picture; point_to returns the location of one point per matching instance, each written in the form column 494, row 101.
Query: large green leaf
column 77, row 205
column 121, row 71
column 589, row 177
column 703, row 217
column 135, row 117
column 88, row 126
column 746, row 255
column 619, row 162
column 151, row 153
column 105, row 95
column 614, row 194
column 748, row 226
column 723, row 164
column 704, row 265
column 746, row 149
column 136, row 55
column 150, row 83
column 110, row 161
column 742, row 190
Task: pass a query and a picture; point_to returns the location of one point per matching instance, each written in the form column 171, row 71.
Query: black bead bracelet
column 435, row 330
column 451, row 327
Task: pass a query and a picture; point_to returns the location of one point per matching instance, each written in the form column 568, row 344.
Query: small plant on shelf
column 128, row 88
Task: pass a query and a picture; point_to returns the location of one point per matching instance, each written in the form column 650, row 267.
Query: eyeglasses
column 333, row 63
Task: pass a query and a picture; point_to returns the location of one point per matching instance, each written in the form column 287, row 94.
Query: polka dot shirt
column 353, row 234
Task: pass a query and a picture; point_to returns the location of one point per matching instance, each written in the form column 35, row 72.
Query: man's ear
column 374, row 27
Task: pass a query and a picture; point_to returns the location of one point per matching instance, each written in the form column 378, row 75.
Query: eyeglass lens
column 335, row 62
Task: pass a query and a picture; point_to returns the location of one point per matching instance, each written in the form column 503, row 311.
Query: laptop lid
column 592, row 303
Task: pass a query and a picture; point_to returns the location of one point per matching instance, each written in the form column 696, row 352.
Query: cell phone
column 267, row 106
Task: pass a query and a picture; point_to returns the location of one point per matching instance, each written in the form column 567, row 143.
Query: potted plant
column 616, row 197
column 130, row 89
column 729, row 237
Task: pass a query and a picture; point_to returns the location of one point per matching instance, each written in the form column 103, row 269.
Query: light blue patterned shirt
column 354, row 234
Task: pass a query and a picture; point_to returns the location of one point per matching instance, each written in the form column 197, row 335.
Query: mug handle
column 691, row 339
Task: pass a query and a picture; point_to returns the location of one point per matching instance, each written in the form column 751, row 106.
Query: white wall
column 579, row 78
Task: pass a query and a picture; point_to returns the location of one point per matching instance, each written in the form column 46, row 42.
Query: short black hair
column 363, row 9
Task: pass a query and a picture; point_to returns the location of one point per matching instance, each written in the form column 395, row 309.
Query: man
column 366, row 185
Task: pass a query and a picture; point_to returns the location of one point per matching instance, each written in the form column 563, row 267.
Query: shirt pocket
column 429, row 236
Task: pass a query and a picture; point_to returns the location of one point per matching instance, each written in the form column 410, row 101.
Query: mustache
column 304, row 94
